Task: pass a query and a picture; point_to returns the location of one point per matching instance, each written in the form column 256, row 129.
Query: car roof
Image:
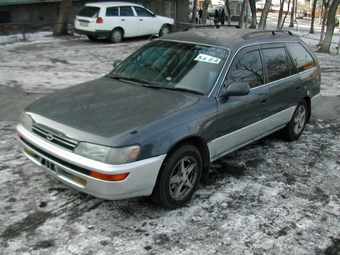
column 231, row 37
column 106, row 4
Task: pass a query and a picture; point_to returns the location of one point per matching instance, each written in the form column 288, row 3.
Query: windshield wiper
column 140, row 82
column 148, row 84
column 184, row 90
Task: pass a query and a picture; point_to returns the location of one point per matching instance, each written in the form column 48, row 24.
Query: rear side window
column 247, row 68
column 277, row 63
column 301, row 57
column 112, row 12
column 141, row 12
column 89, row 11
column 126, row 11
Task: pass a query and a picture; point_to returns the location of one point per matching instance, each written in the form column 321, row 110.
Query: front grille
column 54, row 137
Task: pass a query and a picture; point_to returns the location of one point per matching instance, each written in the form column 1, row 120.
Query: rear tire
column 178, row 178
column 116, row 35
column 293, row 130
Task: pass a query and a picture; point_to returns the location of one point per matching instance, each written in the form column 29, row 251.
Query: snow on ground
column 46, row 64
column 271, row 197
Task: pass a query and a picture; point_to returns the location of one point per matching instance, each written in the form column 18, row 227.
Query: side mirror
column 116, row 63
column 237, row 89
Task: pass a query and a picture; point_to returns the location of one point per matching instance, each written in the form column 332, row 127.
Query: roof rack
column 261, row 32
column 208, row 26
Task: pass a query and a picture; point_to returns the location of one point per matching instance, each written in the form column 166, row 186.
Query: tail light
column 99, row 20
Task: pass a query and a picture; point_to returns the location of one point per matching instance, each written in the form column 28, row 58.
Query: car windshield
column 174, row 65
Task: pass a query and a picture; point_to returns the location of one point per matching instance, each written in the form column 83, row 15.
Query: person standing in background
column 217, row 18
column 200, row 14
column 222, row 18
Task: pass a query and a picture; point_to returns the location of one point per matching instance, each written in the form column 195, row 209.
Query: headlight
column 108, row 155
column 26, row 121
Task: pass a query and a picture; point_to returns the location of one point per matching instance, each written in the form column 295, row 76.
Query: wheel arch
column 309, row 106
column 120, row 28
column 202, row 147
column 165, row 25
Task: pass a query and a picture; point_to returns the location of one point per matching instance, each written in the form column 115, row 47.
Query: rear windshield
column 89, row 11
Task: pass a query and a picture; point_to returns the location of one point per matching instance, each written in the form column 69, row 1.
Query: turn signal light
column 108, row 177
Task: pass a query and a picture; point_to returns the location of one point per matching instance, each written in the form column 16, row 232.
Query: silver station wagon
column 153, row 125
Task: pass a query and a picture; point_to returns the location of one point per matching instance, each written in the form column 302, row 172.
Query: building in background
column 18, row 11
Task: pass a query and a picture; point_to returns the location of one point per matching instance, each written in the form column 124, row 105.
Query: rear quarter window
column 301, row 57
column 112, row 12
column 89, row 11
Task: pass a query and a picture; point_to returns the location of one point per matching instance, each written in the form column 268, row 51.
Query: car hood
column 105, row 108
column 165, row 19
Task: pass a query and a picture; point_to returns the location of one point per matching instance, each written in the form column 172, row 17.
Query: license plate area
column 48, row 164
column 61, row 173
column 83, row 24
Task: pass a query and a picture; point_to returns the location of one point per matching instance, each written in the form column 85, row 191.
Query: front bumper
column 316, row 100
column 73, row 169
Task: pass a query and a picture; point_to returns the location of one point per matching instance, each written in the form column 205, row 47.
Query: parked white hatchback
column 118, row 20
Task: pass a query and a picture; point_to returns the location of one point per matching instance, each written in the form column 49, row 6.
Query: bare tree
column 323, row 25
column 311, row 31
column 326, row 44
column 279, row 19
column 205, row 8
column 243, row 14
column 61, row 27
column 263, row 19
column 194, row 11
column 252, row 4
column 321, row 13
column 228, row 11
column 293, row 14
column 286, row 14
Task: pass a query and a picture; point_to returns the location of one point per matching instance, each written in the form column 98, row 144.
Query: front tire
column 165, row 30
column 293, row 130
column 116, row 35
column 178, row 178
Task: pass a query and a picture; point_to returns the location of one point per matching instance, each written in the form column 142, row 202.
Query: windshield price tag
column 207, row 58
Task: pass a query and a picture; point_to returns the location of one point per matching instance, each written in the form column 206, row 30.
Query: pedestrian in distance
column 222, row 18
column 200, row 15
column 217, row 19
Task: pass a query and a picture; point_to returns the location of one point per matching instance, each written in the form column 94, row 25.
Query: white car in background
column 118, row 20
